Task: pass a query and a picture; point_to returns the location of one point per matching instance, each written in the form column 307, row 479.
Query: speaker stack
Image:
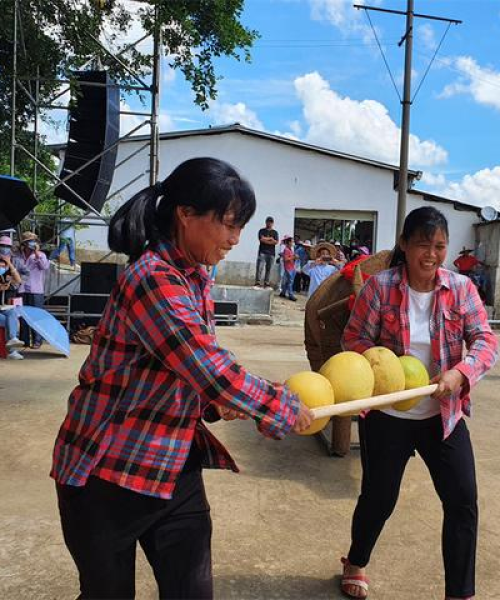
column 96, row 282
column 94, row 126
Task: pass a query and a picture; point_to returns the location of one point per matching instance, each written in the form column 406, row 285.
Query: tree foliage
column 55, row 37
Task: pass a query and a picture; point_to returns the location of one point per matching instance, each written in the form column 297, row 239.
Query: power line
column 383, row 55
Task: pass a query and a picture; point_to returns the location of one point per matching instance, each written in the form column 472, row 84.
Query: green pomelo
column 416, row 375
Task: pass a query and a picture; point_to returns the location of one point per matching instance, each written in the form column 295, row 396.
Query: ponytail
column 398, row 257
column 132, row 228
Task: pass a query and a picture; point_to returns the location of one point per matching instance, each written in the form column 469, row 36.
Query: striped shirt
column 153, row 372
column 380, row 317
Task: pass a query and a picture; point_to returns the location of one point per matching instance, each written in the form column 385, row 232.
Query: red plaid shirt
column 154, row 369
column 380, row 317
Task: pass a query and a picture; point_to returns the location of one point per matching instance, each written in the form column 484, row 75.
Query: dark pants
column 268, row 261
column 103, row 522
column 387, row 443
column 27, row 333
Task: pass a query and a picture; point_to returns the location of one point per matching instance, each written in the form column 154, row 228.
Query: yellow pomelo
column 415, row 376
column 314, row 391
column 387, row 369
column 351, row 376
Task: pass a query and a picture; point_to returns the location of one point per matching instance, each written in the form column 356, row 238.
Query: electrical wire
column 430, row 64
column 383, row 55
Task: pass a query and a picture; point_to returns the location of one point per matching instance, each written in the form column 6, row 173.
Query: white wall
column 285, row 178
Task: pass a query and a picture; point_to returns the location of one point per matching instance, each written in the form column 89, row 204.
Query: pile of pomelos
column 351, row 376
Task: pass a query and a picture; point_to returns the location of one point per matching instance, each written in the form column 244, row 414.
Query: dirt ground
column 280, row 527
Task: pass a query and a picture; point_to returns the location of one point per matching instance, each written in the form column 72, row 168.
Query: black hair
column 204, row 184
column 425, row 220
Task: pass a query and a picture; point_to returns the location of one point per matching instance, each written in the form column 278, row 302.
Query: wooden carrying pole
column 384, row 400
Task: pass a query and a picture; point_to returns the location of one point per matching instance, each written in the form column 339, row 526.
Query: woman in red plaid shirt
column 421, row 309
column 129, row 454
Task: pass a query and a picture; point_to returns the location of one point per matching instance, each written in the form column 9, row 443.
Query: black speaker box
column 88, row 303
column 99, row 278
column 86, row 309
column 94, row 125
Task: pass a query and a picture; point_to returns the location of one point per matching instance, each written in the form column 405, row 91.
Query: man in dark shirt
column 268, row 238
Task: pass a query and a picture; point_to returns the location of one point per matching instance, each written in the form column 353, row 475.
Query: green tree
column 55, row 38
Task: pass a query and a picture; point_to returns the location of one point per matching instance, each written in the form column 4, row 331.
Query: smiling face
column 204, row 239
column 423, row 258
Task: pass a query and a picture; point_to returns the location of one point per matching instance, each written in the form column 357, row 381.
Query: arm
column 267, row 239
column 41, row 260
column 164, row 317
column 16, row 277
column 481, row 342
column 308, row 266
column 363, row 328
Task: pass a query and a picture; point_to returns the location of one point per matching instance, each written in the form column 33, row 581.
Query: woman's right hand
column 304, row 419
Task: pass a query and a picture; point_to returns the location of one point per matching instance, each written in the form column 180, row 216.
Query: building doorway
column 336, row 226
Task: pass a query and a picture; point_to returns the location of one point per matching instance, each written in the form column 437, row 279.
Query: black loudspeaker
column 94, row 125
column 91, row 304
column 86, row 309
column 98, row 278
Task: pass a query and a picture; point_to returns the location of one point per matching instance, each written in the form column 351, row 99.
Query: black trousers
column 387, row 443
column 103, row 522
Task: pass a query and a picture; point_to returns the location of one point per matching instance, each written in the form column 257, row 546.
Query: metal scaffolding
column 20, row 85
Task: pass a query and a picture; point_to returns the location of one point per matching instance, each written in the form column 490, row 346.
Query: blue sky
column 317, row 75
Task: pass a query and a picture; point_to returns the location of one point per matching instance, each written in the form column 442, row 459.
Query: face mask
column 31, row 245
column 4, row 251
column 3, row 270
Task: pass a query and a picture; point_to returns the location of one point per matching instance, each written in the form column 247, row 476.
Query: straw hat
column 29, row 236
column 465, row 250
column 321, row 246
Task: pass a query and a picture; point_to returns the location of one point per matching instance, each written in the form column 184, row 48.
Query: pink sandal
column 360, row 581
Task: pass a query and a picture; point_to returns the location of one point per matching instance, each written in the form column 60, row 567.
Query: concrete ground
column 280, row 527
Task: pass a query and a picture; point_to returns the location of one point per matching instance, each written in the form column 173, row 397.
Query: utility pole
column 405, row 122
column 406, row 101
column 14, row 90
column 155, row 100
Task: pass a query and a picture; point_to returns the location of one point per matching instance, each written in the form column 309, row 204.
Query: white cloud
column 482, row 83
column 481, row 188
column 341, row 14
column 225, row 114
column 427, row 36
column 357, row 127
column 433, row 180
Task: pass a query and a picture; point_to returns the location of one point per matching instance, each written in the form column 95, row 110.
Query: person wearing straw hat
column 322, row 265
column 32, row 288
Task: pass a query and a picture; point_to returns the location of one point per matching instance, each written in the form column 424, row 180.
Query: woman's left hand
column 448, row 382
column 229, row 414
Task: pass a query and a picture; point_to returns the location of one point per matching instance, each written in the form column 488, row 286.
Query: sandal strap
column 362, row 583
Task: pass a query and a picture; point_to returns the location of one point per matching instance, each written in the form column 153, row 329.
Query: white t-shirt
column 420, row 311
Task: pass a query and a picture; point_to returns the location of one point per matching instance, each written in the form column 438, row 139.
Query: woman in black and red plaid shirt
column 129, row 454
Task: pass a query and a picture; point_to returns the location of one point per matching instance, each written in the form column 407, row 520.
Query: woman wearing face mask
column 32, row 288
column 10, row 279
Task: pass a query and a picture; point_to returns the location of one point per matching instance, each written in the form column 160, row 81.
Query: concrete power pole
column 405, row 123
column 406, row 101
